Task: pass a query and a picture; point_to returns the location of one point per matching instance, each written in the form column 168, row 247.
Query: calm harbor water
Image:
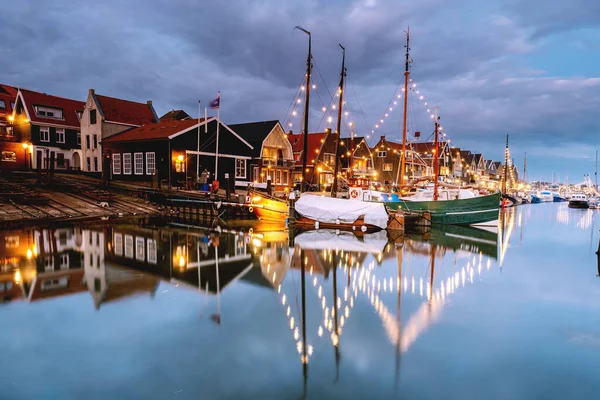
column 140, row 312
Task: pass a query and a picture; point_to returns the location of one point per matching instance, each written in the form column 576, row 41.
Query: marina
column 328, row 309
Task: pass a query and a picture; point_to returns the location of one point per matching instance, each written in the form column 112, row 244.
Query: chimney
column 382, row 138
column 327, row 130
column 149, row 102
column 92, row 92
column 290, row 132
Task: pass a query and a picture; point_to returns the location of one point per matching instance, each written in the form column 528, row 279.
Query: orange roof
column 160, row 130
column 69, row 108
column 125, row 111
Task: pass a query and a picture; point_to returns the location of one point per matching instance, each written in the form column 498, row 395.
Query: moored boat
column 268, row 208
column 578, row 200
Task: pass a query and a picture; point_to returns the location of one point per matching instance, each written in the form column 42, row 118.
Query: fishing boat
column 578, row 200
column 320, row 212
column 557, row 198
column 268, row 208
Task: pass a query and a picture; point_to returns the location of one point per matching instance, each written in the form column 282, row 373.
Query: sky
column 526, row 68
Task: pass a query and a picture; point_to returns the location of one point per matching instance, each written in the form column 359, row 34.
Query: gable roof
column 178, row 115
column 125, row 111
column 478, row 158
column 9, row 95
column 255, row 133
column 156, row 131
column 69, row 108
column 315, row 142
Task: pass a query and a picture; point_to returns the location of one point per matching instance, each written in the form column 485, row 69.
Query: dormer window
column 48, row 112
column 2, row 105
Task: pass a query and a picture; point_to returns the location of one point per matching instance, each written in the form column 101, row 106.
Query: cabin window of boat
column 9, row 156
column 388, row 166
column 278, row 177
column 240, row 168
column 382, row 154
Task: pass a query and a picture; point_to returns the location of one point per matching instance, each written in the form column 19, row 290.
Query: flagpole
column 198, row 147
column 217, row 149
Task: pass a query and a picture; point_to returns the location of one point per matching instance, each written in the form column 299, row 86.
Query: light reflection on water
column 299, row 297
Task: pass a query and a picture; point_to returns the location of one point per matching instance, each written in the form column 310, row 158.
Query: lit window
column 9, row 156
column 388, row 167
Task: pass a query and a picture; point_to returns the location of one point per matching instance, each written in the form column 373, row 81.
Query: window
column 286, row 180
column 116, row 164
column 95, row 141
column 152, row 251
column 139, row 248
column 60, row 160
column 44, row 134
column 2, row 105
column 60, row 135
column 278, row 177
column 12, row 105
column 96, row 164
column 49, row 112
column 97, row 285
column 64, row 261
column 240, row 168
column 9, row 156
column 50, row 284
column 87, row 141
column 382, row 154
column 127, row 163
column 78, row 139
column 150, row 163
column 128, row 246
column 92, row 117
column 139, row 163
column 388, row 167
column 329, row 158
column 89, row 164
column 118, row 244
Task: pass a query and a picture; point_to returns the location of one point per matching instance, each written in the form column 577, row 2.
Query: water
column 134, row 312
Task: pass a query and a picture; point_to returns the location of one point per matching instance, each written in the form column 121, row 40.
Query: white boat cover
column 346, row 241
column 329, row 209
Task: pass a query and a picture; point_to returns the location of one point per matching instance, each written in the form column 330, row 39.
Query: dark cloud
column 470, row 58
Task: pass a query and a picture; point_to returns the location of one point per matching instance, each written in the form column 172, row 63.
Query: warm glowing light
column 180, row 158
column 11, row 118
column 25, row 145
column 181, row 261
column 29, row 254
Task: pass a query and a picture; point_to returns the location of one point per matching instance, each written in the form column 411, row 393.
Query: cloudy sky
column 526, row 68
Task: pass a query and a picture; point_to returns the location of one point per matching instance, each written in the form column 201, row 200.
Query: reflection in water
column 336, row 271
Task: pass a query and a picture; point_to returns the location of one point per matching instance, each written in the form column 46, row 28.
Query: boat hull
column 471, row 211
column 578, row 204
column 304, row 223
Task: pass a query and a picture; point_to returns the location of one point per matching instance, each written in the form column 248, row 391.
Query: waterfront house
column 356, row 159
column 106, row 116
column 49, row 126
column 387, row 162
column 320, row 158
column 271, row 155
column 12, row 154
column 426, row 152
column 165, row 153
column 175, row 115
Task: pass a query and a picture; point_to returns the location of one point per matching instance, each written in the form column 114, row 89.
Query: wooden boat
column 268, row 208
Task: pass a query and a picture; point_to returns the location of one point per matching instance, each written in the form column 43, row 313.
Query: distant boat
column 578, row 200
column 557, row 198
column 543, row 196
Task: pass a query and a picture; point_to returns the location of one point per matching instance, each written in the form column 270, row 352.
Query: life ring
column 250, row 209
column 354, row 193
column 247, row 199
column 250, row 231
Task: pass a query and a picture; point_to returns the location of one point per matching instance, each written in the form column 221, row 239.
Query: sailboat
column 458, row 211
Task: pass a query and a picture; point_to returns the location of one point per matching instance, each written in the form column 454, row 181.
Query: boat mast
column 406, row 78
column 306, row 107
column 525, row 168
column 436, row 157
column 339, row 124
column 596, row 174
column 505, row 166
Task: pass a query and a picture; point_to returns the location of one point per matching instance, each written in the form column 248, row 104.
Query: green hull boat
column 476, row 210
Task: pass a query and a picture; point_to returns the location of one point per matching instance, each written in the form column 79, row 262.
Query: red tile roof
column 161, row 130
column 8, row 94
column 315, row 141
column 125, row 111
column 68, row 106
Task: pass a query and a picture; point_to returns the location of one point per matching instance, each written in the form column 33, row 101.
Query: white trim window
column 388, row 166
column 140, row 245
column 240, row 168
column 138, row 163
column 382, row 154
column 152, row 256
column 150, row 163
column 60, row 135
column 116, row 164
column 118, row 244
column 127, row 163
column 44, row 134
column 128, row 246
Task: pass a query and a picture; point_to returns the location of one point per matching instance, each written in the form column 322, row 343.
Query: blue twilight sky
column 526, row 68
